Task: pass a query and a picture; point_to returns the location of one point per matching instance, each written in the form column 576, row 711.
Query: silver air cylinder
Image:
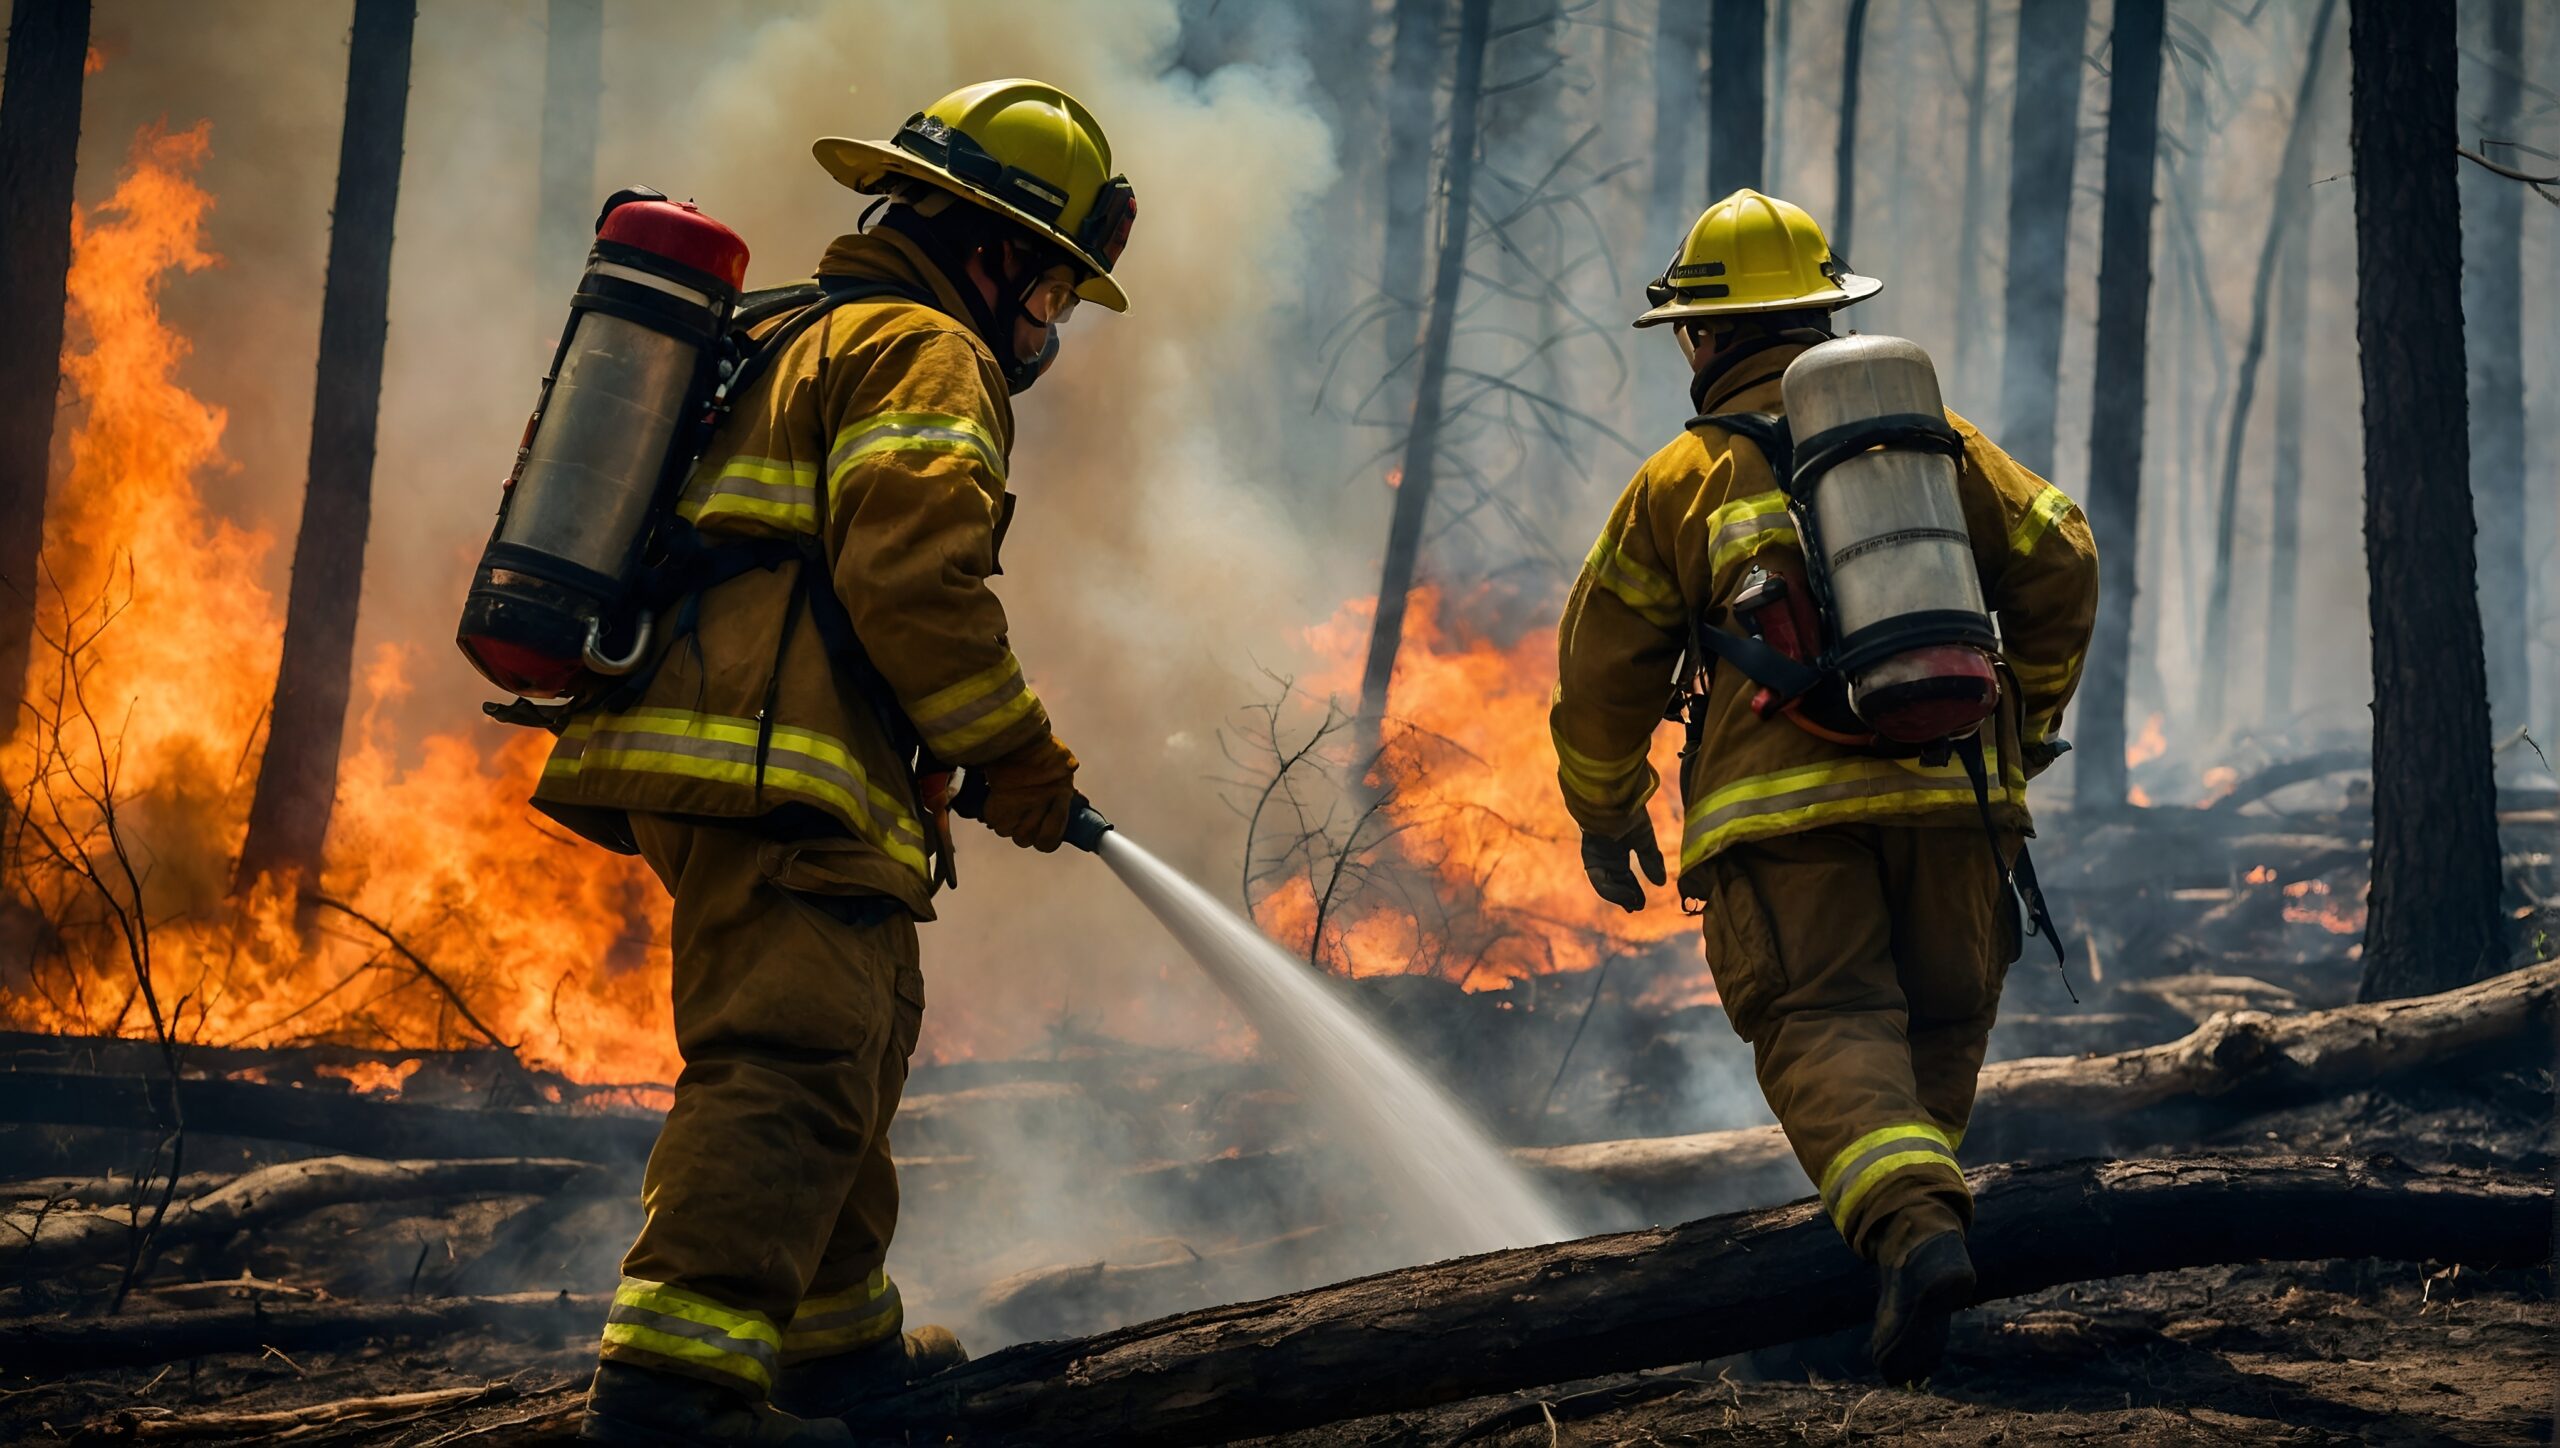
column 1876, row 495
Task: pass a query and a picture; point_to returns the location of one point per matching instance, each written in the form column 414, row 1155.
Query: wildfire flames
column 1473, row 814
column 129, row 774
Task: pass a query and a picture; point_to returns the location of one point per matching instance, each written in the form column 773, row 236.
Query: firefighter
column 755, row 772
column 1856, row 922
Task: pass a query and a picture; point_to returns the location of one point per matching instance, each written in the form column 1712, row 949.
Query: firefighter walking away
column 808, row 646
column 1870, row 619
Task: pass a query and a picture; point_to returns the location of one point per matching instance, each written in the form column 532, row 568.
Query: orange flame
column 1476, row 816
column 2148, row 745
column 145, row 716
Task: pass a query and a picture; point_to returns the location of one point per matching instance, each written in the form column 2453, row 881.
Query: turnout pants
column 1864, row 963
column 770, row 1195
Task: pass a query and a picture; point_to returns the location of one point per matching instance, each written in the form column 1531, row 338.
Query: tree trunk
column 298, row 776
column 1422, row 442
column 1844, row 185
column 2493, row 285
column 1737, row 90
column 2115, row 419
column 39, row 151
column 1413, row 69
column 259, row 1199
column 2044, row 135
column 1483, row 1325
column 1969, row 323
column 2284, row 216
column 2284, row 483
column 572, row 93
column 2236, row 1064
column 2434, row 917
column 1679, row 54
column 1780, row 24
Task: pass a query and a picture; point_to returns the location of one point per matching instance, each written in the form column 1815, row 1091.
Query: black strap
column 1767, row 430
column 1827, row 449
column 2020, row 875
column 1763, row 665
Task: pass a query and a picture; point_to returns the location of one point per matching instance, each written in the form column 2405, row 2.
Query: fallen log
column 1087, row 1296
column 1511, row 1320
column 161, row 1425
column 2235, row 1061
column 334, row 1121
column 37, row 1345
column 289, row 1189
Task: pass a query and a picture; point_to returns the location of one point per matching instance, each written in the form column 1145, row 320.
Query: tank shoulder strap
column 1767, row 430
column 806, row 304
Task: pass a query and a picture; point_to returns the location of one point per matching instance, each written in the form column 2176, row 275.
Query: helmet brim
column 1852, row 290
column 864, row 165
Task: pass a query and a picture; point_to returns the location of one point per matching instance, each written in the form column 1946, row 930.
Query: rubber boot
column 636, row 1408
column 842, row 1385
column 1918, row 1296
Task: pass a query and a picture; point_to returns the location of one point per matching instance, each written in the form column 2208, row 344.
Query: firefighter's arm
column 915, row 486
column 1616, row 650
column 2040, row 567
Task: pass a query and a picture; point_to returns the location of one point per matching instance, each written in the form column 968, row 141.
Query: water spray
column 1441, row 1174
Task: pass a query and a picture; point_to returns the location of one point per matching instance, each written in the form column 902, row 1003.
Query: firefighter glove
column 1611, row 862
column 1030, row 793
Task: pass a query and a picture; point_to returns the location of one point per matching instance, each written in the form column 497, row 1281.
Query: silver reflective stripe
column 755, row 1349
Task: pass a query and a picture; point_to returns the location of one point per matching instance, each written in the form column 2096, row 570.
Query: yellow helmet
column 1752, row 253
column 1027, row 151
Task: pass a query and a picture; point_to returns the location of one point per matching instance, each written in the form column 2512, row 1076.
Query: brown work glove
column 1029, row 793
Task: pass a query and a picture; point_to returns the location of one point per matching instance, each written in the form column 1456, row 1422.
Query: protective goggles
column 1105, row 231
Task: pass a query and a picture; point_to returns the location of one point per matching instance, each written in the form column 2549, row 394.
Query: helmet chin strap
column 995, row 325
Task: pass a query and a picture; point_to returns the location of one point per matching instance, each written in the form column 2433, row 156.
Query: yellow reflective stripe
column 1874, row 1173
column 722, row 750
column 1653, row 597
column 2045, row 676
column 631, row 1336
column 1742, row 528
column 976, row 709
column 885, row 432
column 1841, row 1159
column 2047, row 509
column 772, row 490
column 1601, row 782
column 2037, row 727
column 1787, row 799
column 654, row 1319
column 1856, row 1169
column 843, row 1321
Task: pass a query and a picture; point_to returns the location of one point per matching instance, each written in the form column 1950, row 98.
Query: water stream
column 1442, row 1176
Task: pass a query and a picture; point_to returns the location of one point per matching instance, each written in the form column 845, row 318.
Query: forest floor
column 2334, row 1354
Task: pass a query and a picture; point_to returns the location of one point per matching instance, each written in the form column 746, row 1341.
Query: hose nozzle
column 1086, row 826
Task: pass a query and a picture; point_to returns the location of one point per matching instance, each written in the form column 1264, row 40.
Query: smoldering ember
column 1675, row 721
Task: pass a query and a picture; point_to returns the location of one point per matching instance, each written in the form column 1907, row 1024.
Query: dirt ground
column 2335, row 1354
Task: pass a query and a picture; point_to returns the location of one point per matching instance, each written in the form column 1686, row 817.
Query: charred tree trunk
column 572, row 92
column 2493, row 280
column 1737, row 95
column 1780, row 25
column 1969, row 225
column 1483, row 1325
column 2434, row 919
column 1413, row 68
column 2284, row 483
column 1422, row 443
column 1844, row 187
column 298, row 776
column 2115, row 419
column 39, row 151
column 1679, row 55
column 2292, row 193
column 2044, row 135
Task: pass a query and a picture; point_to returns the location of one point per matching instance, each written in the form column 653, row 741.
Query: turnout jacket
column 882, row 432
column 1676, row 548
